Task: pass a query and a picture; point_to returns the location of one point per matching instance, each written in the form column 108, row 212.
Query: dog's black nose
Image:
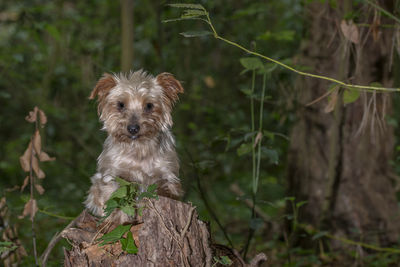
column 133, row 129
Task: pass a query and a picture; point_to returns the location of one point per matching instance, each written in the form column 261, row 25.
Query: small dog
column 136, row 113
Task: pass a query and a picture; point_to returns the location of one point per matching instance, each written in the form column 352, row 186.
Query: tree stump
column 169, row 233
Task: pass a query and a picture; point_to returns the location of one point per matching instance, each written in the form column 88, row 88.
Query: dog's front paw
column 107, row 178
column 103, row 186
column 170, row 189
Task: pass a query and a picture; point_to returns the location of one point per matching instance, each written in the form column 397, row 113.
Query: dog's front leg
column 100, row 191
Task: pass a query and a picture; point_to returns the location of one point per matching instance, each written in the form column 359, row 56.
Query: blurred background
column 320, row 161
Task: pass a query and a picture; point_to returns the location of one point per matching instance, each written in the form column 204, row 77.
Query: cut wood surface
column 168, row 234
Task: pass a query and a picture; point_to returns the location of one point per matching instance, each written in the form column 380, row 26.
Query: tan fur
column 146, row 157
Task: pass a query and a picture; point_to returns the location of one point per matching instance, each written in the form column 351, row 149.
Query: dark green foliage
column 53, row 52
column 126, row 198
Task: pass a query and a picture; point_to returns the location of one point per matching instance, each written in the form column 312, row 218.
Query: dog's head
column 136, row 106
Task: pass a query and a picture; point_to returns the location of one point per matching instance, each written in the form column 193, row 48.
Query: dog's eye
column 149, row 107
column 120, row 105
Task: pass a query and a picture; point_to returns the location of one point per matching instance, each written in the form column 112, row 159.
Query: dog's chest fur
column 140, row 162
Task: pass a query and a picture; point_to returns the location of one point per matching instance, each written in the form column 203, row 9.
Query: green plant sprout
column 126, row 198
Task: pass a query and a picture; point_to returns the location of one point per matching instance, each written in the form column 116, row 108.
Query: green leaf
column 251, row 63
column 151, row 192
column 120, row 192
column 129, row 210
column 290, row 198
column 190, row 34
column 115, row 234
column 182, row 18
column 267, row 68
column 140, row 211
column 148, row 195
column 287, row 35
column 244, row 149
column 271, row 154
column 191, row 13
column 53, row 32
column 301, row 203
column 269, row 135
column 111, row 205
column 128, row 244
column 7, row 246
column 246, row 92
column 319, row 235
column 224, row 260
column 350, row 95
column 189, row 6
column 152, row 188
column 122, row 182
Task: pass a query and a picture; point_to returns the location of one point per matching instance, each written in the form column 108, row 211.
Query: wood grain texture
column 168, row 234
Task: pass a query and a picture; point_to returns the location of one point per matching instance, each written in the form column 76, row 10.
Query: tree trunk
column 169, row 234
column 339, row 160
column 126, row 35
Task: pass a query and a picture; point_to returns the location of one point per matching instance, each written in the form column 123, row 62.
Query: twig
column 56, row 215
column 31, row 178
column 310, row 229
column 56, row 238
column 183, row 233
column 387, row 13
column 306, row 74
column 237, row 191
column 347, row 85
column 319, row 98
column 205, row 200
column 108, row 223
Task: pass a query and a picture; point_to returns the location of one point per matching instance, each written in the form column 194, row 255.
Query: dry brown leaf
column 26, row 180
column 12, row 189
column 45, row 157
column 209, row 81
column 332, row 101
column 43, row 118
column 258, row 139
column 39, row 188
column 37, row 142
column 29, row 209
column 375, row 28
column 2, row 202
column 26, row 158
column 32, row 115
column 35, row 166
column 350, row 31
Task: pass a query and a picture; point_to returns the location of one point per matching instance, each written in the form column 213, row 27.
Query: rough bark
column 354, row 146
column 168, row 234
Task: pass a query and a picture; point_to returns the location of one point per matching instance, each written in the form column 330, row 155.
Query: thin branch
column 321, row 77
column 319, row 98
column 249, row 203
column 55, row 215
column 31, row 178
column 311, row 230
column 387, row 13
column 183, row 233
column 56, row 238
column 205, row 200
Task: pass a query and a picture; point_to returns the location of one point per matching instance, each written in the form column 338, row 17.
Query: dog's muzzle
column 133, row 129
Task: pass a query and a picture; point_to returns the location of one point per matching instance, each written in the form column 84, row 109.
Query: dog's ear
column 103, row 86
column 171, row 86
